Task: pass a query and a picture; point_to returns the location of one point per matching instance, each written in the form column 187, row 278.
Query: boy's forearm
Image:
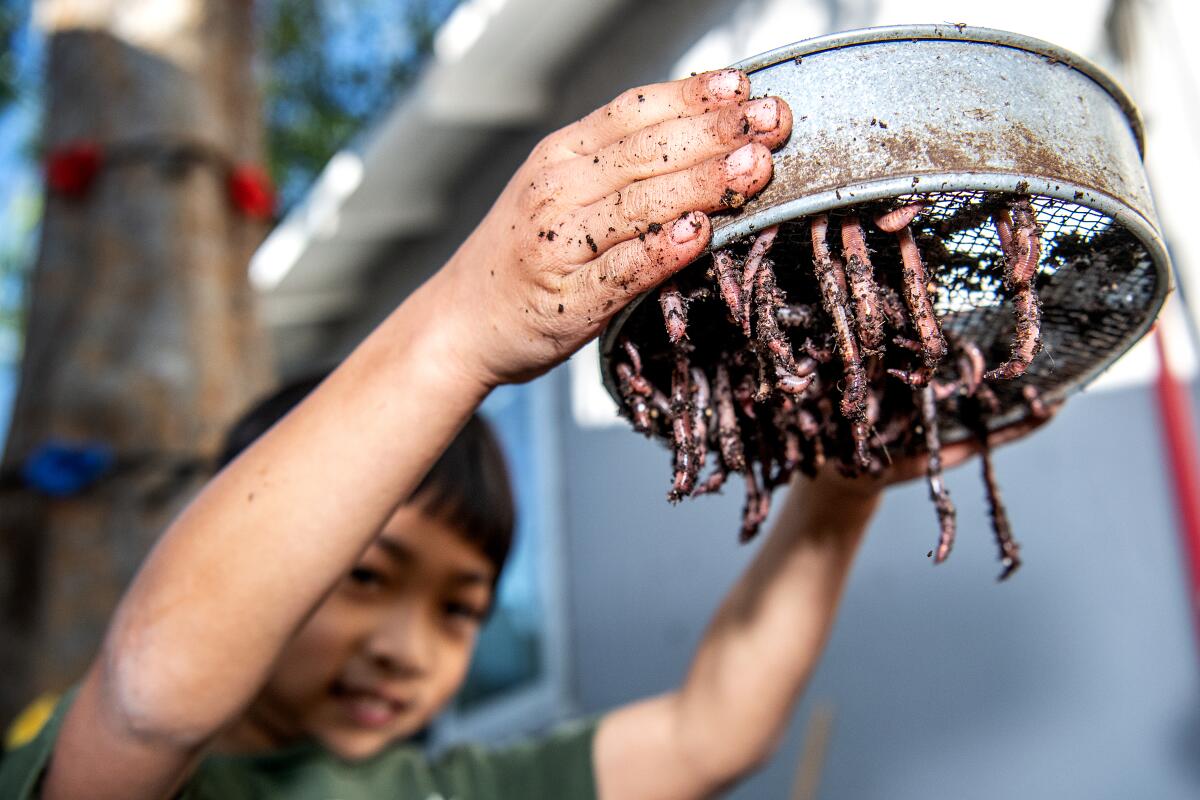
column 238, row 571
column 767, row 637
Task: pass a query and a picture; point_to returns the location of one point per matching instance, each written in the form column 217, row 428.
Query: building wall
column 1075, row 679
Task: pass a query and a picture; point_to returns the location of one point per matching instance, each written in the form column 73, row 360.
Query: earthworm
column 635, row 357
column 1010, row 551
column 893, row 309
column 635, row 401
column 1033, row 399
column 660, row 406
column 758, row 249
column 937, row 482
column 1027, row 238
column 727, row 280
column 901, row 218
column 834, row 299
column 821, row 353
column 674, row 312
column 1002, row 222
column 681, row 428
column 701, row 411
column 916, row 295
column 784, row 422
column 913, row 377
column 970, row 365
column 758, row 505
column 985, row 403
column 771, row 340
column 795, row 315
column 860, row 432
column 729, row 435
column 1027, row 340
column 861, row 280
column 713, row 483
column 1021, row 243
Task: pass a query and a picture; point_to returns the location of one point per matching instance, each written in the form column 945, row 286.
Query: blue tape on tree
column 62, row 469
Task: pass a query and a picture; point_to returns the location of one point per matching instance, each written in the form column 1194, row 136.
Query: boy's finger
column 716, row 184
column 607, row 284
column 648, row 105
column 671, row 146
column 1023, row 428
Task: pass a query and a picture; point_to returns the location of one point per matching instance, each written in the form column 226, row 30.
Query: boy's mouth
column 369, row 708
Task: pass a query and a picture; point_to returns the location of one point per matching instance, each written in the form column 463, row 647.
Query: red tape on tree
column 72, row 169
column 251, row 191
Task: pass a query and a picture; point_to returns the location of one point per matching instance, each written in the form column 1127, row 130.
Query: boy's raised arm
column 755, row 659
column 602, row 210
column 759, row 650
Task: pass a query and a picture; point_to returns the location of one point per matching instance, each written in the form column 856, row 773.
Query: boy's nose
column 404, row 644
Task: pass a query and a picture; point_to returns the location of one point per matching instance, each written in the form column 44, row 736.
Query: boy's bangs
column 468, row 488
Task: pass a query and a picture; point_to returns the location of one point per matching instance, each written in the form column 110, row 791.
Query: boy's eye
column 367, row 577
column 465, row 611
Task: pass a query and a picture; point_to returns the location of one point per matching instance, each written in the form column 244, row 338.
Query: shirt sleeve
column 556, row 767
column 21, row 769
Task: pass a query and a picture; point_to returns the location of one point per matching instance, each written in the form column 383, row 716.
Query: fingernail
column 727, row 83
column 740, row 160
column 686, row 228
column 763, row 115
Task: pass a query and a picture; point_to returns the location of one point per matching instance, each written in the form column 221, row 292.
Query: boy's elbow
column 148, row 705
column 720, row 755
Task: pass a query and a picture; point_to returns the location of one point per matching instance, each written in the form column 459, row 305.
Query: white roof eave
column 494, row 60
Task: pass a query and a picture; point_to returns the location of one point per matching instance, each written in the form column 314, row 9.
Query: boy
column 304, row 596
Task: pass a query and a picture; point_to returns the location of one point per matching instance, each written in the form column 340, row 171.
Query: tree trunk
column 142, row 332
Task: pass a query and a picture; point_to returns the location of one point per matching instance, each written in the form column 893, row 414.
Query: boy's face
column 388, row 648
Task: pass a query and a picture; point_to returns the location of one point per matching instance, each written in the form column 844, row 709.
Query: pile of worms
column 850, row 366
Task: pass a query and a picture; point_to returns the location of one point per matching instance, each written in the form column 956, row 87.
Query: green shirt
column 558, row 766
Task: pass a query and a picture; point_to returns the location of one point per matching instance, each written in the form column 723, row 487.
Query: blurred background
column 238, row 192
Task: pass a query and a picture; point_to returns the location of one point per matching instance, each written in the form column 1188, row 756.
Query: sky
column 19, row 194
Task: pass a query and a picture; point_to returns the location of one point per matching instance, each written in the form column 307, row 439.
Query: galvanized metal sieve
column 960, row 118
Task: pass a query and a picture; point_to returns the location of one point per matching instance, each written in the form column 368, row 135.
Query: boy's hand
column 602, row 210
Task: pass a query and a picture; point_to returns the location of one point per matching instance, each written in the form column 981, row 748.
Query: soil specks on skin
column 654, row 227
column 592, row 243
column 641, row 98
column 541, row 234
column 732, row 199
column 561, row 308
column 550, row 236
column 596, row 160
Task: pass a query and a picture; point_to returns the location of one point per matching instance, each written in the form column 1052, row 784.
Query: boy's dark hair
column 468, row 487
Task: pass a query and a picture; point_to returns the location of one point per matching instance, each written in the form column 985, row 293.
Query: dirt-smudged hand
column 601, row 211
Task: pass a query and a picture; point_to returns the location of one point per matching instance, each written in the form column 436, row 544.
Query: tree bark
column 142, row 332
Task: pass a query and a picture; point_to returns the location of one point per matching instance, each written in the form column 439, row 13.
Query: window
column 517, row 681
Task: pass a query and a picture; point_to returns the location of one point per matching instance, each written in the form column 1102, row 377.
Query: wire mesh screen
column 1096, row 281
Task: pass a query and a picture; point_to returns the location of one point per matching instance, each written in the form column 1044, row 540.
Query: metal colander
column 961, row 118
